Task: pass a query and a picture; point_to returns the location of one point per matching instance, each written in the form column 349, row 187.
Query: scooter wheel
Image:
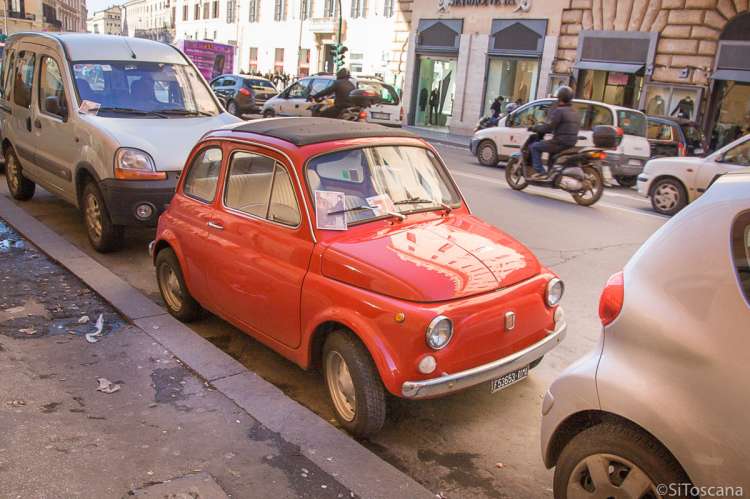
column 514, row 175
column 593, row 187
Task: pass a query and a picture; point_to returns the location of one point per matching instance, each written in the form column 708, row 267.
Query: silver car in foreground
column 660, row 408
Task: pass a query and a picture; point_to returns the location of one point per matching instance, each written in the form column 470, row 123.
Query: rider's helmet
column 564, row 94
column 342, row 73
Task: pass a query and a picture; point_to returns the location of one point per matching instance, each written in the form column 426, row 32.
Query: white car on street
column 672, row 183
column 293, row 100
column 495, row 144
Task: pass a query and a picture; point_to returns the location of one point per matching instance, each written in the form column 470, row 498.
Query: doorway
column 436, row 92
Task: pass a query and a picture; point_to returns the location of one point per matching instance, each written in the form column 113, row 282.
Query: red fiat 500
column 348, row 246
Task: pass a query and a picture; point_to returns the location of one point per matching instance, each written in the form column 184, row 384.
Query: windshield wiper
column 127, row 110
column 184, row 112
column 443, row 205
column 362, row 208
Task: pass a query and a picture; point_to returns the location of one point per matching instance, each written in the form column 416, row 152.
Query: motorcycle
column 577, row 170
column 361, row 100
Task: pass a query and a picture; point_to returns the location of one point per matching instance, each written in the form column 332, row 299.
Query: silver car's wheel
column 93, row 213
column 668, row 196
column 19, row 186
column 232, row 108
column 341, row 385
column 607, row 475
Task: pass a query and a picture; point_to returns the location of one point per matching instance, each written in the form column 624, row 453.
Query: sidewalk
column 63, row 438
column 440, row 137
column 167, row 431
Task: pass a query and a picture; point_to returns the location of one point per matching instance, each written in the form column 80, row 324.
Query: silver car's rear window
column 741, row 252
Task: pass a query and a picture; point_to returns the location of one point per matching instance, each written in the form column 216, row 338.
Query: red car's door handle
column 216, row 226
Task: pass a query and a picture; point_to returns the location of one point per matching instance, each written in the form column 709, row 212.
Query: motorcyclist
column 340, row 89
column 563, row 123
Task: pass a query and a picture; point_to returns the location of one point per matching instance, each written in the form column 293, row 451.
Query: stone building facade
column 697, row 49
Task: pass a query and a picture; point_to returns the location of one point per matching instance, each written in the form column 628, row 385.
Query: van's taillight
column 681, row 149
column 610, row 303
column 363, row 116
column 245, row 92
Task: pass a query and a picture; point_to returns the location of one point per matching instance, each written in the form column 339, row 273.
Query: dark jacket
column 340, row 89
column 563, row 123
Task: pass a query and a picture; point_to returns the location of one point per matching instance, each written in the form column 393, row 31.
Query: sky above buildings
column 97, row 5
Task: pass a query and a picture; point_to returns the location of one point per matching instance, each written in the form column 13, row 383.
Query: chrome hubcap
column 11, row 173
column 666, row 196
column 93, row 216
column 170, row 286
column 605, row 476
column 486, row 154
column 341, row 386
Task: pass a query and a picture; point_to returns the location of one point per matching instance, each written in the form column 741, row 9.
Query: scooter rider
column 340, row 89
column 563, row 123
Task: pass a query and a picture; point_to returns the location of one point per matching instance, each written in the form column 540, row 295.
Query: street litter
column 16, row 403
column 28, row 331
column 499, row 465
column 14, row 310
column 92, row 337
column 83, row 320
column 106, row 386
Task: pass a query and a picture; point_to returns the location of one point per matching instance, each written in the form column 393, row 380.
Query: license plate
column 505, row 381
column 634, row 162
column 698, row 151
column 381, row 116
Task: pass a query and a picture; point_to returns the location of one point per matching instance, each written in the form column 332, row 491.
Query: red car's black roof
column 305, row 131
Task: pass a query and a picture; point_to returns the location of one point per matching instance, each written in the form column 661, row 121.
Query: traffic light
column 339, row 56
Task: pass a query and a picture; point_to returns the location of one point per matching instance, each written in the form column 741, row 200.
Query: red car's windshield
column 367, row 183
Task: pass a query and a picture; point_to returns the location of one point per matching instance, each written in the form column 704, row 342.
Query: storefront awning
column 617, row 67
column 731, row 75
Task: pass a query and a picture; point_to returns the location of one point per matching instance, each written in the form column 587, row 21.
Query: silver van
column 104, row 122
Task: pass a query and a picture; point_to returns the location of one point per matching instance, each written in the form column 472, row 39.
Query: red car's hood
column 439, row 260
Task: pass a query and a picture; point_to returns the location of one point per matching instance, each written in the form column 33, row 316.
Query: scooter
column 361, row 100
column 577, row 170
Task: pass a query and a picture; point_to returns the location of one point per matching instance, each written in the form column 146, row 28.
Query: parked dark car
column 242, row 94
column 672, row 137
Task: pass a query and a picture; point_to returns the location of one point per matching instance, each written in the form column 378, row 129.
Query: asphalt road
column 472, row 444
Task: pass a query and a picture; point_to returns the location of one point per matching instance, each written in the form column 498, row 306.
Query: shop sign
column 520, row 5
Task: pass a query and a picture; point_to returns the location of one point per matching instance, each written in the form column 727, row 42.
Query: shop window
column 619, row 89
column 436, row 91
column 667, row 100
column 513, row 79
column 733, row 113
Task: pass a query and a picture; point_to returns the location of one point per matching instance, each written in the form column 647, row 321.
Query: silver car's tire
column 354, row 385
column 487, row 153
column 615, row 460
column 269, row 113
column 103, row 235
column 668, row 196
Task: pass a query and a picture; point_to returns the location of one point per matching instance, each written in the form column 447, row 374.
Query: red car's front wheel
column 354, row 385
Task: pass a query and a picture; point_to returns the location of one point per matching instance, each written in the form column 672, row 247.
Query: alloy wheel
column 93, row 216
column 608, row 476
column 341, row 385
column 12, row 172
column 666, row 196
column 170, row 287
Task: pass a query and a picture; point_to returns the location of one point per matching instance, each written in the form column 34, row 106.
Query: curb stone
column 351, row 464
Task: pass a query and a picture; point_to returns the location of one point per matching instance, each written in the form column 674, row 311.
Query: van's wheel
column 514, row 174
column 487, row 153
column 626, row 181
column 269, row 113
column 103, row 235
column 668, row 196
column 19, row 186
column 180, row 303
column 593, row 187
column 354, row 385
column 616, row 460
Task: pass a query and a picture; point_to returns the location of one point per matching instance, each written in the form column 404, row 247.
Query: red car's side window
column 259, row 186
column 203, row 175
